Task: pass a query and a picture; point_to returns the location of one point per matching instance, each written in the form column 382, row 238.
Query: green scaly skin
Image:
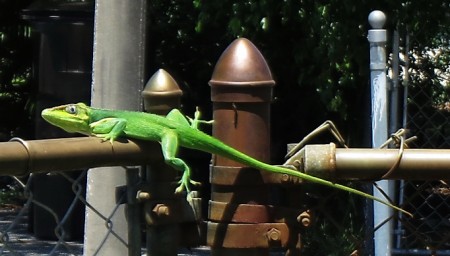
column 172, row 131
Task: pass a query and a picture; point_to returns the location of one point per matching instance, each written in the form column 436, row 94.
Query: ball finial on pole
column 377, row 19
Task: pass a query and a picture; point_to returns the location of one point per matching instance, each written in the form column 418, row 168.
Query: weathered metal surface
column 228, row 175
column 244, row 127
column 240, row 194
column 244, row 236
column 372, row 164
column 323, row 161
column 241, row 75
column 161, row 93
column 20, row 157
column 239, row 213
column 165, row 211
column 241, row 92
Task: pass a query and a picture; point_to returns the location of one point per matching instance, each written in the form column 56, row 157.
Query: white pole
column 379, row 93
column 118, row 79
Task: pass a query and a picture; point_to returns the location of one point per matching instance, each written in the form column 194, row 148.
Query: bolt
column 161, row 210
column 285, row 178
column 273, row 235
column 305, row 218
column 142, row 195
column 298, row 164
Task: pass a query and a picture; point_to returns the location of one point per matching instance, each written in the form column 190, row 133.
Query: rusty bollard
column 241, row 92
column 164, row 211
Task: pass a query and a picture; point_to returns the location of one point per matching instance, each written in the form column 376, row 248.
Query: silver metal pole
column 377, row 39
column 118, row 79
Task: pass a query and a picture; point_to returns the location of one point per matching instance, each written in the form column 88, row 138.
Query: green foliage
column 15, row 68
column 317, row 51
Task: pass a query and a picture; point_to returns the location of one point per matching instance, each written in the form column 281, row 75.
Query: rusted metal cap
column 241, row 75
column 161, row 93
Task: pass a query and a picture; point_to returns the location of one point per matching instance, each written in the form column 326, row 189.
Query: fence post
column 161, row 94
column 241, row 91
column 377, row 40
column 118, row 78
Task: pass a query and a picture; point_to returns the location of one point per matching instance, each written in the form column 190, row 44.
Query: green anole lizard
column 171, row 131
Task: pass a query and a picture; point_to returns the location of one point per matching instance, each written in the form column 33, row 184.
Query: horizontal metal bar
column 330, row 162
column 23, row 157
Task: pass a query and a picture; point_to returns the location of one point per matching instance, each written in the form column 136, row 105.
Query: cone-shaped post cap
column 161, row 83
column 242, row 63
column 161, row 93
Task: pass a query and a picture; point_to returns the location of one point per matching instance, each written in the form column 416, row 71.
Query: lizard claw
column 105, row 137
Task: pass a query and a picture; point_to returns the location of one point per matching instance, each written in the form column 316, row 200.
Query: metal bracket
column 327, row 126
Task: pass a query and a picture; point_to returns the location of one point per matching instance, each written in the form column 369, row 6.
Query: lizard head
column 70, row 117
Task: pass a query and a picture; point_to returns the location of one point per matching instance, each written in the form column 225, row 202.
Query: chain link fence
column 16, row 237
column 428, row 116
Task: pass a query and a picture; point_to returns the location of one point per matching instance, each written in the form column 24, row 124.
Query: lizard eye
column 71, row 109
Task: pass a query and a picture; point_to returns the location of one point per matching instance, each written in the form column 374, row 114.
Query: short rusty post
column 161, row 94
column 241, row 92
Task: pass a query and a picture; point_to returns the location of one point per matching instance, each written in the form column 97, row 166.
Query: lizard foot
column 185, row 183
column 105, row 137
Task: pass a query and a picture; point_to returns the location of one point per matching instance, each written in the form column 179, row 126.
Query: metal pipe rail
column 333, row 163
column 19, row 157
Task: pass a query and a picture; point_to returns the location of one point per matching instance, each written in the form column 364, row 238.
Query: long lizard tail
column 215, row 146
column 238, row 156
column 314, row 179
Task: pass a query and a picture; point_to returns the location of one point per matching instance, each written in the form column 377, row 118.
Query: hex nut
column 273, row 235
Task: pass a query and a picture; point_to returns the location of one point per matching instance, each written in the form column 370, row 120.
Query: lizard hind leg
column 169, row 145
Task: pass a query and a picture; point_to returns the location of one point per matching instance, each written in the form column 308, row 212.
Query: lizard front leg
column 108, row 128
column 169, row 146
column 196, row 120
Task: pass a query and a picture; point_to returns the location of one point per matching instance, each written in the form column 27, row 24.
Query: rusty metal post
column 161, row 94
column 241, row 92
column 171, row 221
